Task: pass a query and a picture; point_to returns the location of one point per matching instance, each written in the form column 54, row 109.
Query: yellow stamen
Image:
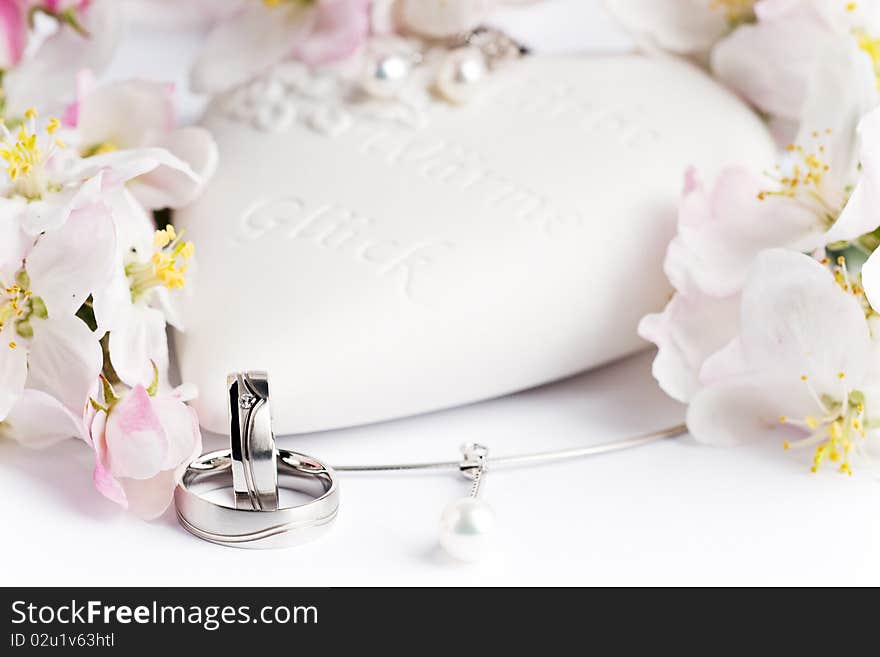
column 736, row 11
column 167, row 265
column 25, row 157
column 164, row 237
column 871, row 46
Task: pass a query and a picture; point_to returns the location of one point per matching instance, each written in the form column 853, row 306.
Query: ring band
column 251, row 528
column 254, row 472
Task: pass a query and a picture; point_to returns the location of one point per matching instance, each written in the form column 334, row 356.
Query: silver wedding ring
column 252, row 442
column 251, row 528
column 252, row 469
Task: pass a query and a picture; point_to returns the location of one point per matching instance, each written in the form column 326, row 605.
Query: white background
column 670, row 513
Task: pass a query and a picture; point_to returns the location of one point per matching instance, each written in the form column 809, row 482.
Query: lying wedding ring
column 251, row 528
column 254, row 472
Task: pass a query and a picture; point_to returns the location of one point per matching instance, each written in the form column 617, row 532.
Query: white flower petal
column 681, row 26
column 135, row 227
column 171, row 304
column 111, row 303
column 871, row 280
column 746, row 409
column 843, row 88
column 14, row 244
column 725, row 363
column 720, row 235
column 770, row 62
column 860, row 214
column 13, row 369
column 39, row 420
column 74, row 261
column 174, row 188
column 687, row 332
column 52, row 212
column 127, row 114
column 118, row 167
column 247, row 44
column 797, row 321
column 65, row 359
column 137, row 340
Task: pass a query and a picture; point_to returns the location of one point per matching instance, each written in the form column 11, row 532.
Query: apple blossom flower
column 43, row 344
column 261, row 34
column 138, row 302
column 446, row 18
column 771, row 62
column 801, row 366
column 768, row 50
column 85, row 35
column 806, row 203
column 43, row 170
column 681, row 26
column 721, row 231
column 136, row 114
column 143, row 440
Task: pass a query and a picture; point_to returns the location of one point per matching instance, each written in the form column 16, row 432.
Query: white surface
column 388, row 270
column 671, row 513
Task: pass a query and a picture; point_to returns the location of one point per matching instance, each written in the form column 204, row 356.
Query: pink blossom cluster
column 87, row 281
column 773, row 328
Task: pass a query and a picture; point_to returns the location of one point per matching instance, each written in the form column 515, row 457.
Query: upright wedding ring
column 251, row 469
column 254, row 472
column 250, row 528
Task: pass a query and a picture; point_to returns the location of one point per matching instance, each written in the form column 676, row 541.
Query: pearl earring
column 467, row 526
column 385, row 74
column 461, row 75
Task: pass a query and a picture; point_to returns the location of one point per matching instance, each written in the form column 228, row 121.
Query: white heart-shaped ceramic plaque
column 378, row 269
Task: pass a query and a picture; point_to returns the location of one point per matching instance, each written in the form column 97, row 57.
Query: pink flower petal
column 149, row 498
column 108, row 486
column 13, row 32
column 340, row 29
column 137, row 445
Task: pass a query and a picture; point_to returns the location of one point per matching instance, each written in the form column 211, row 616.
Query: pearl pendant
column 385, row 75
column 460, row 75
column 467, row 529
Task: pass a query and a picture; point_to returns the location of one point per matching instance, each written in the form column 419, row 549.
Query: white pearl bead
column 467, row 529
column 385, row 75
column 460, row 75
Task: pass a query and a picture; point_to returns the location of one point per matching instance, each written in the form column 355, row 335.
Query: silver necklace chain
column 520, row 460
